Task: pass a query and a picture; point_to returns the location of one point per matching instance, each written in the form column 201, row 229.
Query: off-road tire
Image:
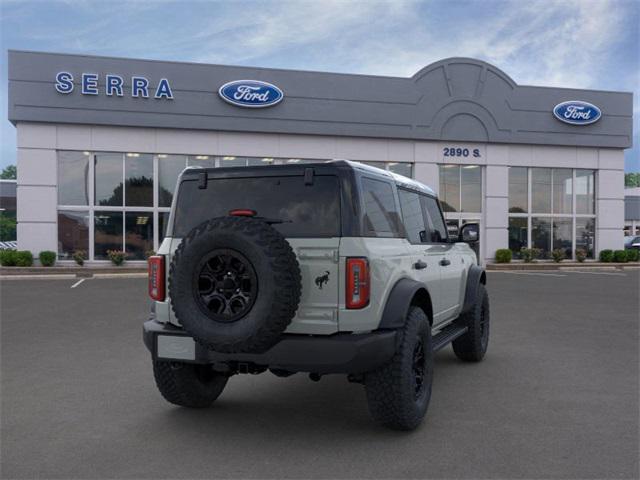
column 472, row 346
column 391, row 390
column 277, row 274
column 188, row 385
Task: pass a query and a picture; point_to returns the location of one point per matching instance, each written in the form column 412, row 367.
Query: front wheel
column 188, row 385
column 472, row 346
column 398, row 394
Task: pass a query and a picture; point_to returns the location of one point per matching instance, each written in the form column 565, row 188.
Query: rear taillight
column 357, row 284
column 156, row 277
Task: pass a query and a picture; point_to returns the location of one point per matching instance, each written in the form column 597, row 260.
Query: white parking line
column 531, row 273
column 598, row 273
column 78, row 283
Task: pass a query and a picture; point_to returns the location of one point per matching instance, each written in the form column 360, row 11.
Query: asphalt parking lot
column 556, row 397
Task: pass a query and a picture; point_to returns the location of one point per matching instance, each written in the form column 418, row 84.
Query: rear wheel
column 188, row 385
column 472, row 346
column 398, row 394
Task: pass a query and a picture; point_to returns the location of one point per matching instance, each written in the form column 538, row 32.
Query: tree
column 9, row 173
column 632, row 180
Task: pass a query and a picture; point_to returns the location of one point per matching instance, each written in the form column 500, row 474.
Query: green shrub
column 149, row 253
column 117, row 257
column 47, row 258
column 24, row 258
column 526, row 254
column 558, row 255
column 581, row 254
column 606, row 255
column 503, row 255
column 8, row 258
column 633, row 255
column 80, row 256
column 620, row 256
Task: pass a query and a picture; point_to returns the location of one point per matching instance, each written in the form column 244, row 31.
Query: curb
column 68, row 276
column 561, row 266
column 79, row 272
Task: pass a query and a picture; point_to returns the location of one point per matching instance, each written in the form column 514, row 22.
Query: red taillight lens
column 358, row 287
column 156, row 277
column 242, row 212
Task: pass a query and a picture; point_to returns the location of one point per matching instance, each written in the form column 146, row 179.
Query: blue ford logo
column 576, row 112
column 250, row 93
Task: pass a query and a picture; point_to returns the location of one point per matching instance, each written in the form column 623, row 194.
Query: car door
column 425, row 256
column 443, row 251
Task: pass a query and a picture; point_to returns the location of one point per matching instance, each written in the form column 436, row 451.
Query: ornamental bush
column 117, row 257
column 581, row 254
column 8, row 258
column 503, row 255
column 47, row 258
column 24, row 258
column 620, row 256
column 80, row 256
column 606, row 255
column 149, row 253
column 558, row 255
column 633, row 255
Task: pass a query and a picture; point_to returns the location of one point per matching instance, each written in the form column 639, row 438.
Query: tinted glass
column 518, row 190
column 562, row 190
column 163, row 221
column 138, row 234
column 585, row 191
column 541, row 190
column 562, row 235
column 306, row 210
column 517, row 235
column 380, row 215
column 138, row 172
column 73, row 233
column 73, row 178
column 450, row 188
column 169, row 167
column 401, row 169
column 108, row 233
column 471, row 188
column 541, row 235
column 437, row 227
column 585, row 235
column 412, row 216
column 108, row 179
column 201, row 161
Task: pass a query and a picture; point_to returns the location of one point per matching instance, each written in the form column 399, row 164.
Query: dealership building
column 101, row 142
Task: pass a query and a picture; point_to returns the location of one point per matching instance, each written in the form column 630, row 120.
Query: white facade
column 38, row 144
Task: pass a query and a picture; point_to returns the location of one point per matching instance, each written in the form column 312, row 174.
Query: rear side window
column 412, row 216
column 305, row 210
column 437, row 228
column 381, row 218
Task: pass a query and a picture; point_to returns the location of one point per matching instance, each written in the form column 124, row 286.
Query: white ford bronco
column 323, row 268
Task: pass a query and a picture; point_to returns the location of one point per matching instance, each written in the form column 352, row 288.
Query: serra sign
column 113, row 85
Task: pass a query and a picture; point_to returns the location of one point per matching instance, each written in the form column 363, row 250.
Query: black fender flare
column 475, row 277
column 405, row 292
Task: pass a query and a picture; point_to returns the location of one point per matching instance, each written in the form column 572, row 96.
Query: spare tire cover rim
column 225, row 285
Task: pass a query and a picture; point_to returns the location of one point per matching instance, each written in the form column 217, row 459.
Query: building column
column 496, row 210
column 36, row 194
column 610, row 200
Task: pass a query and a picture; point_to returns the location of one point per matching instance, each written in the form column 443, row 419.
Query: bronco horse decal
column 322, row 279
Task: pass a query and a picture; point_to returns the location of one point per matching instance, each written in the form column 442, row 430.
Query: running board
column 447, row 335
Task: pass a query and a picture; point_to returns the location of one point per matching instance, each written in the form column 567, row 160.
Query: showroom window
column 552, row 208
column 121, row 200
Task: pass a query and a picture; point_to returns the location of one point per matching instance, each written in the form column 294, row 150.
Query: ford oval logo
column 577, row 112
column 251, row 93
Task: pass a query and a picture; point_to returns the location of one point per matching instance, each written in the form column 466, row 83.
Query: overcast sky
column 567, row 43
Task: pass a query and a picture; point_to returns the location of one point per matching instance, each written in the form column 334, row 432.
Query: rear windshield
column 305, row 210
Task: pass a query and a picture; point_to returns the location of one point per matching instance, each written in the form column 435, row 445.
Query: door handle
column 419, row 265
column 444, row 262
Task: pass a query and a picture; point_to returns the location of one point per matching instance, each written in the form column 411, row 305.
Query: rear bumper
column 339, row 353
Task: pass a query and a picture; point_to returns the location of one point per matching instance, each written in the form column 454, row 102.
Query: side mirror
column 469, row 233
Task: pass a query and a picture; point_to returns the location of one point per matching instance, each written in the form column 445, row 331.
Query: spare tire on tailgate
column 235, row 284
